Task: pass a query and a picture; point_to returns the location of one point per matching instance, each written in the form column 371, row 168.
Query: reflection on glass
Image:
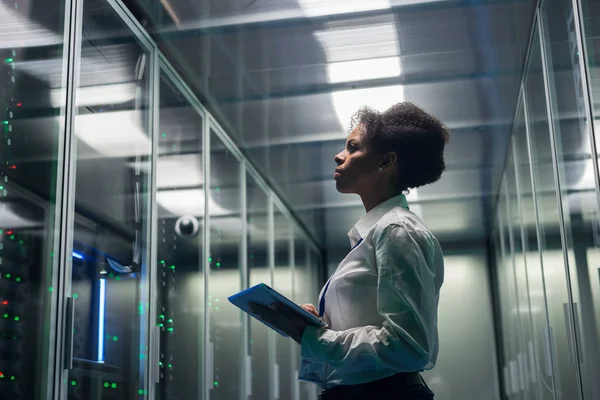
column 109, row 269
column 555, row 277
column 539, row 362
column 225, row 320
column 282, row 281
column 180, row 201
column 578, row 189
column 506, row 270
column 32, row 100
column 259, row 271
column 519, row 276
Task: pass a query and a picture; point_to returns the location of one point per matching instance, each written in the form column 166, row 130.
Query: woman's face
column 357, row 165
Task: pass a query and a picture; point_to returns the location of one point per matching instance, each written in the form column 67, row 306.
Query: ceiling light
column 361, row 70
column 181, row 170
column 98, row 95
column 187, row 202
column 114, row 134
column 347, row 102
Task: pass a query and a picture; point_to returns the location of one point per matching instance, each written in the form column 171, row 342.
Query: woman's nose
column 338, row 158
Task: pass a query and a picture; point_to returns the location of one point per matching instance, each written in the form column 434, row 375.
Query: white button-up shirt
column 381, row 303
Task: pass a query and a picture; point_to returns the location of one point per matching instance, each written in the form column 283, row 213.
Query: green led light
column 209, row 259
column 161, row 316
column 170, row 329
column 73, row 383
column 8, row 276
column 170, row 366
column 75, row 295
column 218, row 264
column 218, row 189
column 114, row 386
column 142, row 355
column 217, row 300
column 162, row 261
column 164, row 135
column 9, row 60
column 21, row 242
column 251, row 341
column 172, row 267
column 111, row 275
column 18, row 279
column 161, row 325
column 160, row 363
column 12, row 378
column 217, row 308
column 106, row 384
column 12, row 237
column 5, row 315
column 141, row 391
column 118, row 278
column 50, row 289
column 115, row 339
column 1, row 187
column 216, row 383
column 170, row 321
column 5, row 122
column 17, row 318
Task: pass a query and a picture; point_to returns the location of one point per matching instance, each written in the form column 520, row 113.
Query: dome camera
column 186, row 226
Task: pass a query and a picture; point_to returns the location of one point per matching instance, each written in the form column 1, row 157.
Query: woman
column 381, row 303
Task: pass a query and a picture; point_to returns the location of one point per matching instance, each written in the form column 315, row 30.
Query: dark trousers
column 395, row 387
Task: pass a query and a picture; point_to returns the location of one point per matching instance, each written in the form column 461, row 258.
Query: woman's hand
column 279, row 316
column 311, row 309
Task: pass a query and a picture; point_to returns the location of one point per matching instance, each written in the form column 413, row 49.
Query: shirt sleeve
column 407, row 301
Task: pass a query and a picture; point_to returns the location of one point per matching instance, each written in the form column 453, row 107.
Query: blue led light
column 77, row 255
column 102, row 308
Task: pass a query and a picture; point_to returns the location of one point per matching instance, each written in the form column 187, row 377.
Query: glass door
column 32, row 113
column 180, row 226
column 107, row 279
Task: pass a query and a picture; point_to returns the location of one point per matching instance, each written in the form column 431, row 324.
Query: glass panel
column 109, row 270
column 523, row 319
column 300, row 295
column 259, row 271
column 540, row 367
column 283, row 284
column 32, row 102
column 513, row 338
column 225, row 334
column 577, row 184
column 180, row 200
column 555, row 277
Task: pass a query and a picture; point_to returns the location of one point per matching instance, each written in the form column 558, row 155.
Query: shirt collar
column 368, row 221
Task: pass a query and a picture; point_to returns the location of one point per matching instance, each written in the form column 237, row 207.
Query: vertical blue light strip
column 101, row 310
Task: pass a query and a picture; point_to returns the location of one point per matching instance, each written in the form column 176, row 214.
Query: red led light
column 5, row 303
column 9, row 232
column 19, row 104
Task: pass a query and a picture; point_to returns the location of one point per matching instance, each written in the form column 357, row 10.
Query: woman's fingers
column 311, row 309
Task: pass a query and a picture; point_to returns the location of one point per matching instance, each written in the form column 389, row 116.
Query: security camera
column 186, row 226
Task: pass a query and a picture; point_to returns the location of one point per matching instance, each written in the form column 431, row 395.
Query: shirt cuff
column 315, row 343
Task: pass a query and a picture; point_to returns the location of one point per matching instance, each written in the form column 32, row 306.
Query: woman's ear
column 389, row 160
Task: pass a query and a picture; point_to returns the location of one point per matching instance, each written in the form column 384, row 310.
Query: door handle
column 69, row 333
column 568, row 325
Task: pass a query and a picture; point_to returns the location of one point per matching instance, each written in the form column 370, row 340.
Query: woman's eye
column 351, row 147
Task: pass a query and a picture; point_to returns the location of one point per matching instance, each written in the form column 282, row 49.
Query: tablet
column 263, row 295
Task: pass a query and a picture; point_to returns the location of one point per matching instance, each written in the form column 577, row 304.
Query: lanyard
column 322, row 301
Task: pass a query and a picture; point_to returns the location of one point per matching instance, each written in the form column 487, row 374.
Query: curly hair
column 417, row 138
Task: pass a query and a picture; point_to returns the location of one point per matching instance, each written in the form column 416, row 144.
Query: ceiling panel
column 284, row 78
